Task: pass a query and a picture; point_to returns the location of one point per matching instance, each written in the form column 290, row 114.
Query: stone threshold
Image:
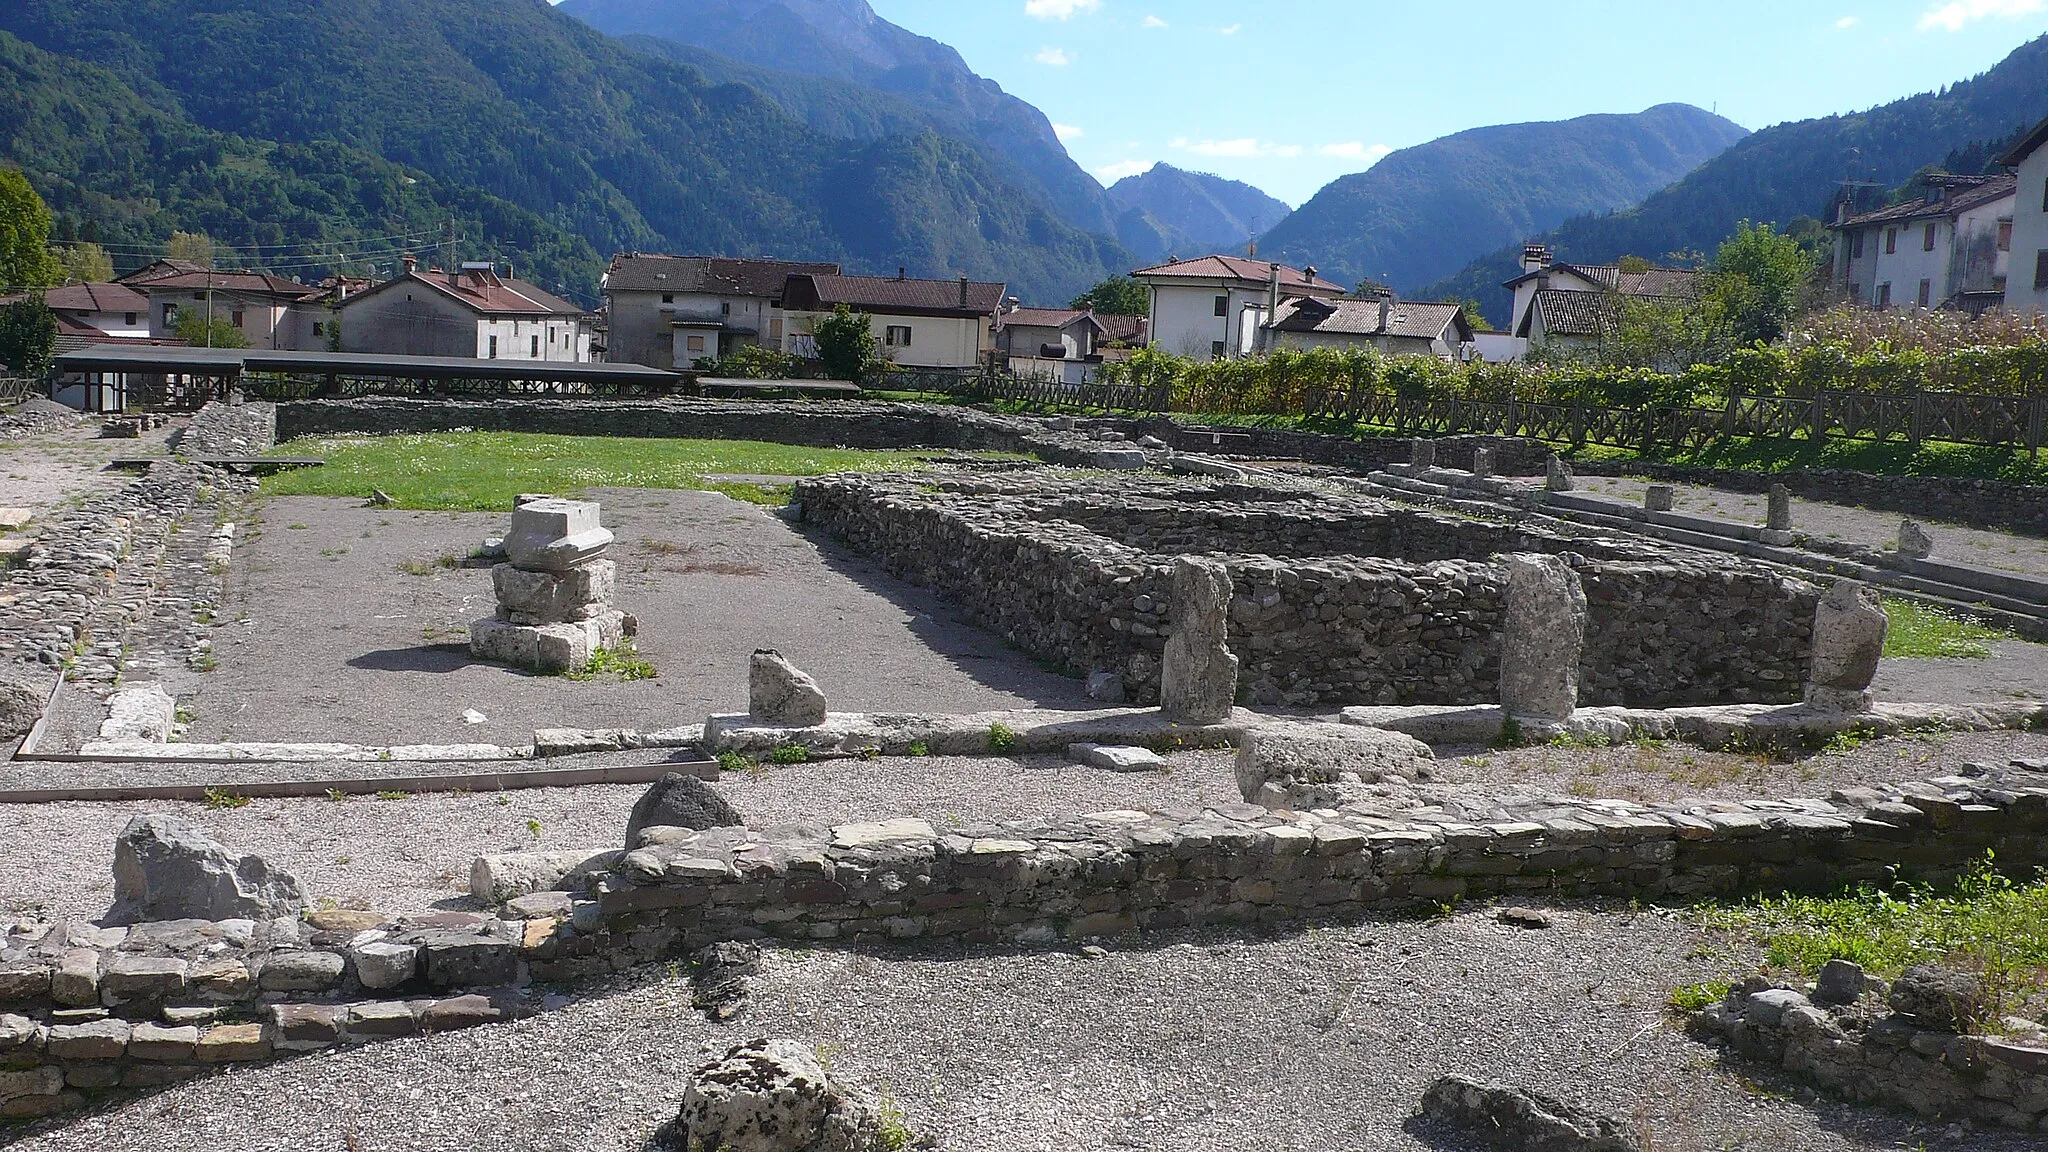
column 976, row 733
column 140, row 783
column 1710, row 726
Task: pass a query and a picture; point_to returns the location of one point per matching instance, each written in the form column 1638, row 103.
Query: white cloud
column 1240, row 148
column 1123, row 168
column 1848, row 22
column 1067, row 132
column 1154, row 22
column 1954, row 15
column 1356, row 150
column 1053, row 57
column 1230, row 29
column 1058, row 9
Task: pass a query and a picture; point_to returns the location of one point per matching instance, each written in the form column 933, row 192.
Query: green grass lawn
column 1920, row 632
column 484, row 470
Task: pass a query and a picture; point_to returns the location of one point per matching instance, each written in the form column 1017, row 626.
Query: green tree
column 846, row 343
column 1117, row 296
column 198, row 329
column 25, row 260
column 28, row 335
column 85, row 263
column 191, row 247
column 1756, row 283
column 1475, row 313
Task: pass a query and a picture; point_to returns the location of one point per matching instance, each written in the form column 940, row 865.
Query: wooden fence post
column 1820, row 415
column 1915, row 427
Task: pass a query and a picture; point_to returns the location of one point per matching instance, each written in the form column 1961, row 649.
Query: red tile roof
column 1405, row 319
column 246, row 283
column 1244, row 269
column 1129, row 330
column 483, row 292
column 96, row 298
column 1960, row 198
column 716, row 275
column 1042, row 317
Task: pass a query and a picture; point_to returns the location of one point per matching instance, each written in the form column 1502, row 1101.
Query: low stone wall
column 1989, row 504
column 228, row 429
column 84, row 1009
column 1893, row 1061
column 1116, row 873
column 1083, row 578
column 1513, row 455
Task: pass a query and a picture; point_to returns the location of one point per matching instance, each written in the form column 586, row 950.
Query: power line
column 410, row 237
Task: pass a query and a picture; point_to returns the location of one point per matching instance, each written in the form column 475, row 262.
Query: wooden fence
column 15, row 389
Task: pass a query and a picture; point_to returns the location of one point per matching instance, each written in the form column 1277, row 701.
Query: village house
column 470, row 313
column 1581, row 304
column 1213, row 307
column 1387, row 325
column 1947, row 249
column 672, row 311
column 95, row 314
column 273, row 313
column 2026, row 288
column 917, row 323
column 1050, row 343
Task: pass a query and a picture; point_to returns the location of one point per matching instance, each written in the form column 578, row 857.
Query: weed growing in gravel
column 892, row 1130
column 1580, row 740
column 1920, row 632
column 1694, row 997
column 533, row 828
column 789, row 754
column 920, row 748
column 622, row 662
column 731, row 761
column 429, row 567
column 1002, row 739
column 1510, row 735
column 204, row 661
column 1986, row 921
column 296, row 527
column 394, row 795
column 217, row 799
column 337, row 795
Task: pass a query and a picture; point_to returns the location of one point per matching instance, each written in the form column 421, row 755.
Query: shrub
column 1002, row 739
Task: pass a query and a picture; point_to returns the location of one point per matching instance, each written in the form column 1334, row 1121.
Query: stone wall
column 1989, row 504
column 228, row 429
column 1513, row 455
column 1339, row 599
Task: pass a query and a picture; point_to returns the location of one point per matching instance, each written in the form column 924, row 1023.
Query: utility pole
column 448, row 246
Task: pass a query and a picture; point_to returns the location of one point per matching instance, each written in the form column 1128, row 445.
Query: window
column 1856, row 247
column 536, row 346
column 1891, row 241
column 668, row 297
column 1884, row 295
column 494, row 349
column 319, row 329
column 1216, row 349
column 238, row 317
column 2041, row 270
column 170, row 315
column 128, row 318
column 725, row 307
column 1926, row 292
column 693, row 343
column 775, row 330
column 551, row 335
column 1927, row 239
column 1223, row 305
column 898, row 336
column 2044, row 197
column 2005, row 235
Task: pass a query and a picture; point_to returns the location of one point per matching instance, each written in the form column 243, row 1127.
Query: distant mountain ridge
column 844, row 41
column 1422, row 212
column 1784, row 172
column 508, row 114
column 1192, row 213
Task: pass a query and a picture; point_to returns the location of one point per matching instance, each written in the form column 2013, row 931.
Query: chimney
column 902, row 273
column 411, row 262
column 1386, row 306
column 963, row 290
column 1535, row 257
column 1309, row 274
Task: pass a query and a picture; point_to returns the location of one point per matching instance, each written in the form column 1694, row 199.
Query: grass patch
column 1920, row 632
column 1694, row 997
column 731, row 761
column 454, row 471
column 766, row 495
column 1002, row 739
column 1986, row 922
column 622, row 663
column 789, row 754
column 218, row 800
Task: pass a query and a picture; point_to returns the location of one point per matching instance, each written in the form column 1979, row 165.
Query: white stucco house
column 917, row 323
column 1580, row 304
column 273, row 313
column 1948, row 249
column 1213, row 307
column 2026, row 285
column 672, row 311
column 471, row 313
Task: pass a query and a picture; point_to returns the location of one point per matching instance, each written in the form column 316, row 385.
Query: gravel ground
column 413, row 854
column 2006, row 550
column 1322, row 1039
column 2016, row 670
column 324, row 637
column 44, row 471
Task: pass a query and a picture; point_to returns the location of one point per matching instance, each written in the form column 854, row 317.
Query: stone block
column 503, row 876
column 1558, row 476
column 98, row 1040
column 1422, row 453
column 1198, row 673
column 233, row 1043
column 781, row 694
column 166, row 869
column 458, row 1012
column 44, row 1081
column 1117, row 758
column 150, row 1041
column 579, row 593
column 128, row 977
column 555, row 535
column 383, row 964
column 300, row 971
column 221, row 979
column 1542, row 638
column 1848, row 643
column 1658, row 498
column 381, row 1019
column 1914, row 542
column 24, row 982
column 1778, row 510
column 19, row 1034
column 76, row 981
column 546, row 648
column 474, row 962
column 305, row 1027
column 1482, row 463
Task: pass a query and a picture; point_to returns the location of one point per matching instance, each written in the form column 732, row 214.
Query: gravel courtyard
column 344, row 624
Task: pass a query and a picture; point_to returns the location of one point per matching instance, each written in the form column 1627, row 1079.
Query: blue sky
column 1291, row 95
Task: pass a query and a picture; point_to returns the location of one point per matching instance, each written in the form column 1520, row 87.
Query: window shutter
column 2041, row 270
